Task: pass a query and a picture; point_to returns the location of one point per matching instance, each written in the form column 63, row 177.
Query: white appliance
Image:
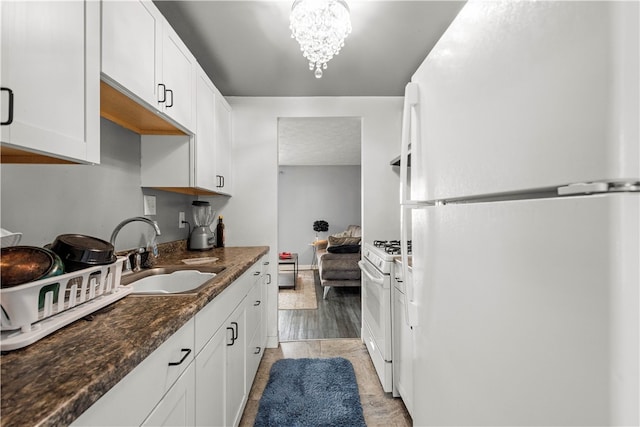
column 402, row 335
column 377, row 269
column 525, row 216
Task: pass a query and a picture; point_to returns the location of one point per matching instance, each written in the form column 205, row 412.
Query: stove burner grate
column 392, row 247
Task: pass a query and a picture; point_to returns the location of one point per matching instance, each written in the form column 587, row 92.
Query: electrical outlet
column 149, row 205
column 180, row 220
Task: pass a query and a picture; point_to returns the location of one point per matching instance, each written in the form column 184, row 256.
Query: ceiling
column 246, row 49
column 319, row 141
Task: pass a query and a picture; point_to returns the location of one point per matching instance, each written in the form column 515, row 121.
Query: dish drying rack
column 31, row 311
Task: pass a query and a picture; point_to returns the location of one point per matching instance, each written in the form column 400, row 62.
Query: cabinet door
column 402, row 351
column 211, row 377
column 177, row 407
column 130, row 54
column 51, row 61
column 236, row 389
column 223, row 145
column 205, row 176
column 220, row 368
column 178, row 78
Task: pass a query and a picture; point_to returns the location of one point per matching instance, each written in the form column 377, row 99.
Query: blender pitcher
column 201, row 237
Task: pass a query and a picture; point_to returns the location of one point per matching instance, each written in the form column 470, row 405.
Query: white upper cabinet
column 204, row 159
column 50, row 55
column 130, row 51
column 177, row 86
column 198, row 164
column 223, row 145
column 143, row 57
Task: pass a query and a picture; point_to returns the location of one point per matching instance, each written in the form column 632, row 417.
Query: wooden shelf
column 122, row 110
column 16, row 155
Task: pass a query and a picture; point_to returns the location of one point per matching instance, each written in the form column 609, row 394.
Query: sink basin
column 169, row 281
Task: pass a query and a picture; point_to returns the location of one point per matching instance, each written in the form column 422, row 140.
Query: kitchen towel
column 311, row 392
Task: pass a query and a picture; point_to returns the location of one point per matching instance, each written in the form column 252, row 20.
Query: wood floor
column 338, row 316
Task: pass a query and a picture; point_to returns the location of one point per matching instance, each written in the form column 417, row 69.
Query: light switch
column 149, row 205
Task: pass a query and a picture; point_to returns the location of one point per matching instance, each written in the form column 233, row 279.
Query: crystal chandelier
column 320, row 27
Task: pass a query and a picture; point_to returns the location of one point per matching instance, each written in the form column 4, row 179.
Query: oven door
column 376, row 308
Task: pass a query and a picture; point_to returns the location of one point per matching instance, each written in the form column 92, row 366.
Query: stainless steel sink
column 170, row 280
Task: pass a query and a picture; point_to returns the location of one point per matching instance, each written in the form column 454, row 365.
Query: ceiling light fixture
column 320, row 27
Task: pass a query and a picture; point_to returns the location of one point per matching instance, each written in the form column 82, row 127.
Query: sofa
column 337, row 259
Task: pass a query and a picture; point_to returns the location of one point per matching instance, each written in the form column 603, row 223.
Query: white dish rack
column 34, row 310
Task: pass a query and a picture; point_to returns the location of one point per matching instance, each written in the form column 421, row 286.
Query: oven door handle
column 375, row 279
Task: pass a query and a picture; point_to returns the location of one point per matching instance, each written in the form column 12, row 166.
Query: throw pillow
column 321, row 244
column 338, row 241
column 344, row 249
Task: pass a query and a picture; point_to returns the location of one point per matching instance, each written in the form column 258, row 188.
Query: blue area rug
column 311, row 392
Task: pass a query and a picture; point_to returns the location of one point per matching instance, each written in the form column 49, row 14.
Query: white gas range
column 377, row 274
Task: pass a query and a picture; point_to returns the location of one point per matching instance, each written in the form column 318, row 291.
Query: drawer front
column 211, row 317
column 254, row 309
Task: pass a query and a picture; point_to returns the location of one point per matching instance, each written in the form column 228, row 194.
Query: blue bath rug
column 311, row 392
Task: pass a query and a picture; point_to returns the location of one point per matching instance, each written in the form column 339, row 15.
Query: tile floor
column 380, row 408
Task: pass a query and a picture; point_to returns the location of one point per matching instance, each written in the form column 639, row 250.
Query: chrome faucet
column 138, row 251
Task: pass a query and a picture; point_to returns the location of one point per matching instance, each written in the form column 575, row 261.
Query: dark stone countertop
column 54, row 380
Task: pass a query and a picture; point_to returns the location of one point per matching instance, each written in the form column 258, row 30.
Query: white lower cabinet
column 225, row 364
column 149, row 389
column 202, row 374
column 402, row 345
column 177, row 407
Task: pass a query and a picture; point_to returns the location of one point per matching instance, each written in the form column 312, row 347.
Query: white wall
column 310, row 193
column 252, row 213
column 43, row 201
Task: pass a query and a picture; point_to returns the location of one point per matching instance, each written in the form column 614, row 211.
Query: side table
column 283, row 279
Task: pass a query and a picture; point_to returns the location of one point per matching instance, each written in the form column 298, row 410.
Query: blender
column 201, row 237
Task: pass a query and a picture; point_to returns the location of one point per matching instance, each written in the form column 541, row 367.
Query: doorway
column 319, row 180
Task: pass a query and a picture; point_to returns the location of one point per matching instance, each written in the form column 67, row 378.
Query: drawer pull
column 258, row 349
column 187, row 352
column 164, row 93
column 170, row 92
column 256, row 273
column 10, row 106
column 234, row 333
column 257, row 303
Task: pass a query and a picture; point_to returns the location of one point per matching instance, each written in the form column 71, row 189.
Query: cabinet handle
column 187, row 352
column 269, row 278
column 219, row 181
column 265, row 263
column 235, row 326
column 223, row 181
column 10, row 115
column 256, row 273
column 257, row 303
column 257, row 350
column 171, row 93
column 164, row 93
column 233, row 338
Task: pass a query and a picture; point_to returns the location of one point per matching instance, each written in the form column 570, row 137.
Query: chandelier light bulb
column 320, row 27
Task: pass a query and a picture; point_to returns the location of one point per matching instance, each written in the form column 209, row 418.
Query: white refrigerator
column 523, row 205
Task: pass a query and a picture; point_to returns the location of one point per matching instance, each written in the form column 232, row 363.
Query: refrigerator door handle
column 411, row 312
column 410, row 101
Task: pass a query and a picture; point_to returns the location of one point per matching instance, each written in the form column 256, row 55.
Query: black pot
column 78, row 251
